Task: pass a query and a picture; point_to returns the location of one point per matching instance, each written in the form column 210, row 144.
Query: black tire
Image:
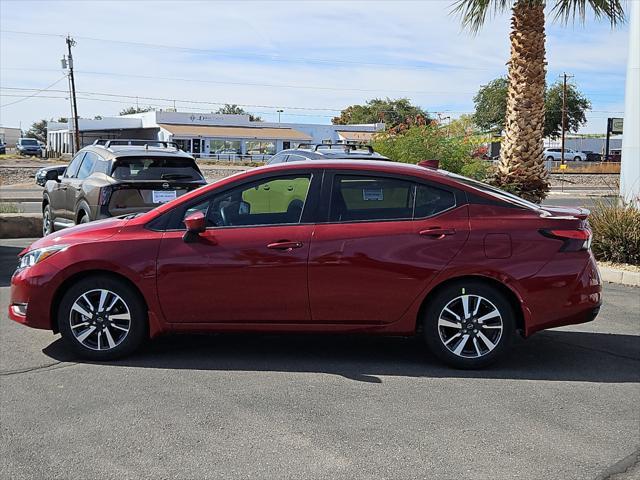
column 124, row 343
column 475, row 357
column 47, row 221
column 577, row 159
column 84, row 218
column 550, row 158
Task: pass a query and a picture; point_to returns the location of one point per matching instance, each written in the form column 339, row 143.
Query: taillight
column 105, row 194
column 574, row 240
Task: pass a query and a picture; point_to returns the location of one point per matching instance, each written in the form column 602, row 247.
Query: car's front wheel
column 102, row 318
column 577, row 159
column 550, row 158
column 47, row 221
column 469, row 324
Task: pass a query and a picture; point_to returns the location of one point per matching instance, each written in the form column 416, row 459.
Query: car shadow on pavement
column 549, row 355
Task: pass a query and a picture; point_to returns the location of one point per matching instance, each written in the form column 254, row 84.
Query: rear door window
column 156, row 168
column 88, row 163
column 73, row 167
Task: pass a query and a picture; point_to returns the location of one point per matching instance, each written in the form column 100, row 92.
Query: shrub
column 616, row 233
column 430, row 142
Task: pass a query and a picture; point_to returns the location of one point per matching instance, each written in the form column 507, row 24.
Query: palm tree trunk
column 521, row 167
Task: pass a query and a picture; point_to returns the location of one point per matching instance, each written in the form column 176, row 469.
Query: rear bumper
column 567, row 291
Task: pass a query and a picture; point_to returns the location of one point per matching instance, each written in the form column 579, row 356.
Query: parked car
column 3, row 148
column 593, row 157
column 117, row 177
column 615, row 155
column 335, row 151
column 41, row 175
column 28, row 147
column 360, row 246
column 554, row 154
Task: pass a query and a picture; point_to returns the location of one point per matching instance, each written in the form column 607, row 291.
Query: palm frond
column 473, row 13
column 566, row 10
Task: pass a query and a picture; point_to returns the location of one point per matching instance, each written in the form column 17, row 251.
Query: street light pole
column 70, row 43
column 564, row 113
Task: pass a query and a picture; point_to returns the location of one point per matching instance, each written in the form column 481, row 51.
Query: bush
column 616, row 233
column 431, row 142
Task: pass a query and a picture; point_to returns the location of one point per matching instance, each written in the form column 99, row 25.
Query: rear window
column 496, row 192
column 150, row 168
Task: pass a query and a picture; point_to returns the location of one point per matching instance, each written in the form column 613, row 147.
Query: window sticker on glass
column 374, row 194
column 163, row 196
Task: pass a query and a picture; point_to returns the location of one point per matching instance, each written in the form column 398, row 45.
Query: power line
column 34, row 94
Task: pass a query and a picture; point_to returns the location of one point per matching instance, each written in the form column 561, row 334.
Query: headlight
column 33, row 257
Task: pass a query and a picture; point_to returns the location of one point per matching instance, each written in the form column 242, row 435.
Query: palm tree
column 521, row 167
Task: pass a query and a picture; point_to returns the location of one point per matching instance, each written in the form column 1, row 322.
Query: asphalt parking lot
column 564, row 405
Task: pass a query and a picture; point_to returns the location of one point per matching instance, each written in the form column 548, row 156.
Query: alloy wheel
column 100, row 319
column 46, row 222
column 470, row 326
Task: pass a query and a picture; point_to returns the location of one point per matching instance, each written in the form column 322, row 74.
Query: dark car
column 593, row 156
column 381, row 248
column 117, row 177
column 28, row 147
column 3, row 148
column 41, row 175
column 335, row 151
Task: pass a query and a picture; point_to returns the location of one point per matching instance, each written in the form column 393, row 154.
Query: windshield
column 158, row 168
column 28, row 141
column 495, row 192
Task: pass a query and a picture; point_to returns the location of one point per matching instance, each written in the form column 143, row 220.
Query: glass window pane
column 431, row 200
column 86, row 168
column 358, row 198
column 73, row 167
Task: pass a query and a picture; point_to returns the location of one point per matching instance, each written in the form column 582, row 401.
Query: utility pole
column 70, row 43
column 564, row 113
column 279, row 112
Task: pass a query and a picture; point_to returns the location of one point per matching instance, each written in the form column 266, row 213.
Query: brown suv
column 117, row 177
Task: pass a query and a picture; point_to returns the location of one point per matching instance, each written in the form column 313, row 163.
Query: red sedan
column 350, row 246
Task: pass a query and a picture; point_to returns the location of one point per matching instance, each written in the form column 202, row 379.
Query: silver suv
column 554, row 154
column 334, row 151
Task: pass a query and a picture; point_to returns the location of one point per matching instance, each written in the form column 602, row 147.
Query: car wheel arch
column 82, row 210
column 509, row 293
column 79, row 276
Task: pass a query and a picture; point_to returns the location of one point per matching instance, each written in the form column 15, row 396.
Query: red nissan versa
column 323, row 246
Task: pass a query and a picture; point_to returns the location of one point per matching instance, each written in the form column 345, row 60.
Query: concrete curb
column 20, row 225
column 617, row 275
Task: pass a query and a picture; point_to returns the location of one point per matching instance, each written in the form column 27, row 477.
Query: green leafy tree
column 491, row 107
column 577, row 107
column 521, row 168
column 233, row 109
column 132, row 109
column 38, row 130
column 388, row 111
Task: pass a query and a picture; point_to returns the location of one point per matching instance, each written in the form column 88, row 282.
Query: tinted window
column 73, row 167
column 270, row 202
column 86, row 168
column 296, row 158
column 28, row 141
column 279, row 158
column 158, row 168
column 431, row 200
column 102, row 166
column 356, row 198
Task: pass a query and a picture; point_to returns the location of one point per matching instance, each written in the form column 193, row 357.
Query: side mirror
column 52, row 175
column 196, row 223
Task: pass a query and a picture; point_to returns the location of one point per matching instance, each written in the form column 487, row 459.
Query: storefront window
column 261, row 148
column 184, row 145
column 224, row 147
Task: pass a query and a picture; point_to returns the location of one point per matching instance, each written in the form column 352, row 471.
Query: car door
column 384, row 241
column 58, row 192
column 74, row 185
column 250, row 265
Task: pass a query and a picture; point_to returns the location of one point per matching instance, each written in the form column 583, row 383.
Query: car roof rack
column 135, row 142
column 342, row 146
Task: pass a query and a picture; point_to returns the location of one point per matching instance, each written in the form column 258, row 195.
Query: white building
column 208, row 135
column 10, row 135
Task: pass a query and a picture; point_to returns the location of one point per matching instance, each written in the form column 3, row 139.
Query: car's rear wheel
column 47, row 221
column 550, row 158
column 101, row 318
column 84, row 218
column 469, row 324
column 577, row 159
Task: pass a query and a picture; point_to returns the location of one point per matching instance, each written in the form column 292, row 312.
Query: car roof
column 334, row 153
column 119, row 151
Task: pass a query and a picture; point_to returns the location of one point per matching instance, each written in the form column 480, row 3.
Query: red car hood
column 86, row 232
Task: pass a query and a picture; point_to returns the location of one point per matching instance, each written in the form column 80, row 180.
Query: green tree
column 388, row 111
column 577, row 107
column 38, row 130
column 491, row 107
column 521, row 168
column 132, row 109
column 233, row 109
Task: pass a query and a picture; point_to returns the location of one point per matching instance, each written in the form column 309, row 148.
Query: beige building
column 10, row 135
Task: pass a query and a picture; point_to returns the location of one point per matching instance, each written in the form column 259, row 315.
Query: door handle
column 437, row 232
column 284, row 245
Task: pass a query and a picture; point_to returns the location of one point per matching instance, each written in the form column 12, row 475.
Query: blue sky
column 310, row 58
